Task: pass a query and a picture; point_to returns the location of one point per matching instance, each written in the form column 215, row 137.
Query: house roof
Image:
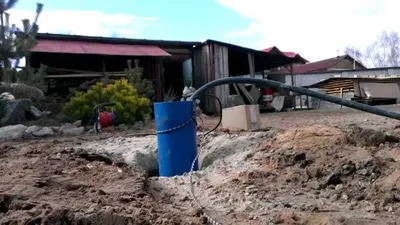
column 94, row 48
column 111, row 40
column 297, row 57
column 319, row 66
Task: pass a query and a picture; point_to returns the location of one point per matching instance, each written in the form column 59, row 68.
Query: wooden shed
column 73, row 59
column 215, row 60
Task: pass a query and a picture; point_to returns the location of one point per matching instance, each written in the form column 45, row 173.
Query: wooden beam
column 83, row 75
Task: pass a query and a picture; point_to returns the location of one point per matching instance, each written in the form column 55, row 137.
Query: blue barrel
column 176, row 148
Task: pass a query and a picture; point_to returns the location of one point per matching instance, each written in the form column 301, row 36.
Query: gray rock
column 139, row 125
column 77, row 123
column 12, row 132
column 31, row 129
column 70, row 130
column 370, row 208
column 56, row 129
column 147, row 120
column 36, row 112
column 314, row 185
column 90, row 131
column 22, row 91
column 13, row 112
column 44, row 132
column 122, row 127
column 5, row 96
column 146, row 160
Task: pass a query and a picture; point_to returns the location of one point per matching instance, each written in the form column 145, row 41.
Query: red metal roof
column 297, row 56
column 292, row 55
column 319, row 66
column 268, row 49
column 95, row 48
column 273, row 49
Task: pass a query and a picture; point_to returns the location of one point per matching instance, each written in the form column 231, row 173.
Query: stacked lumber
column 336, row 87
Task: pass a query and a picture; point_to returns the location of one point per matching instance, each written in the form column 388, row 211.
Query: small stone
column 5, row 96
column 77, row 123
column 342, row 219
column 314, row 172
column 335, row 197
column 90, row 131
column 363, row 172
column 43, row 132
column 69, row 130
column 122, row 127
column 339, row 187
column 314, row 185
column 345, row 197
column 139, row 125
column 31, row 129
column 334, row 179
column 147, row 120
column 371, row 208
column 55, row 129
column 36, row 112
column 92, row 208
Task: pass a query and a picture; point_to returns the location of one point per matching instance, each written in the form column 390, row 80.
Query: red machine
column 267, row 95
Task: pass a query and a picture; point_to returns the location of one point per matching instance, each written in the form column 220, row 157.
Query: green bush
column 33, row 78
column 130, row 107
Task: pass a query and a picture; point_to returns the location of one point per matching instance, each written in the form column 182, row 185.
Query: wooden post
column 341, row 95
column 301, row 102
column 291, row 73
column 250, row 57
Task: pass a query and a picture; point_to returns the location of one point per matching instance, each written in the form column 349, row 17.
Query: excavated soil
column 54, row 182
column 324, row 169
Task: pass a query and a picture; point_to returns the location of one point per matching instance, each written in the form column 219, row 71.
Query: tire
column 97, row 127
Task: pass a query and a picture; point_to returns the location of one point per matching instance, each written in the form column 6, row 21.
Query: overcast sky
column 314, row 28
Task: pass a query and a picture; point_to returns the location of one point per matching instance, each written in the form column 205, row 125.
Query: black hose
column 103, row 105
column 300, row 90
column 220, row 115
column 97, row 107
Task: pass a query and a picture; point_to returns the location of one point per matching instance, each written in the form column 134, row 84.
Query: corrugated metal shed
column 81, row 47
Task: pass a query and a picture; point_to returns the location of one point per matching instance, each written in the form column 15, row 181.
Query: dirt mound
column 330, row 161
column 311, row 137
column 50, row 183
column 318, row 136
column 366, row 137
column 315, row 175
column 318, row 169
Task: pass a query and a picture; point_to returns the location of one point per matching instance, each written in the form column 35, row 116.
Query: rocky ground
column 309, row 167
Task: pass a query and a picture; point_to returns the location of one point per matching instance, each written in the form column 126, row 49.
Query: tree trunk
column 6, row 64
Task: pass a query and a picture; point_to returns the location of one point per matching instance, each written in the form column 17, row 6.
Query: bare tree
column 354, row 52
column 385, row 51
